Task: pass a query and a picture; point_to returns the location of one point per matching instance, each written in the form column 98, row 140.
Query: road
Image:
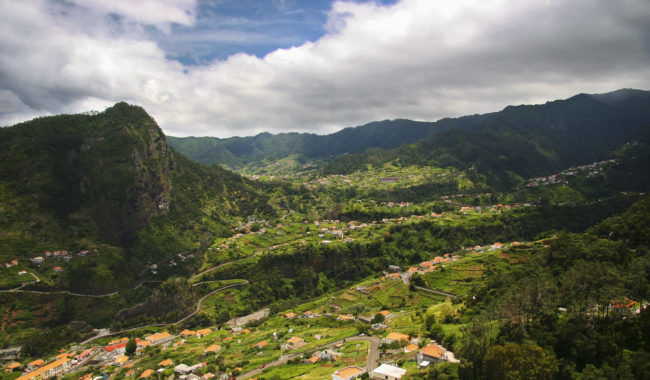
column 372, row 362
column 190, row 315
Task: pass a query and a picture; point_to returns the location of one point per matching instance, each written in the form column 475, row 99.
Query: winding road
column 190, row 315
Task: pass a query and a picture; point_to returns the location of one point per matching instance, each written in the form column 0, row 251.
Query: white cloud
column 420, row 59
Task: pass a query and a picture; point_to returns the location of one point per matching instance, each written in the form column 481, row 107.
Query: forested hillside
column 80, row 182
column 521, row 142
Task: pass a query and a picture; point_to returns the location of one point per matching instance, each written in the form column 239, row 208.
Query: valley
column 433, row 255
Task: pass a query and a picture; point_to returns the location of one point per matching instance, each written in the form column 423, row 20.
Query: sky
column 238, row 68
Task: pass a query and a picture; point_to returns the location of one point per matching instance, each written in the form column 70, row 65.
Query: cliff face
column 102, row 174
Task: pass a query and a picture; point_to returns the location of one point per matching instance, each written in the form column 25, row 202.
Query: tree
column 514, row 361
column 131, row 346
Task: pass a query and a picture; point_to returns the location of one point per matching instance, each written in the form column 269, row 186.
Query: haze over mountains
column 525, row 140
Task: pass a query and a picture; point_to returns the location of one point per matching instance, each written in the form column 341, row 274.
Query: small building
column 13, row 366
column 348, row 373
column 261, row 344
column 202, row 332
column 166, row 363
column 432, row 353
column 147, row 373
column 187, row 332
column 387, row 372
column 120, row 360
column 395, row 337
column 160, row 338
column 36, row 260
column 290, row 315
column 213, row 348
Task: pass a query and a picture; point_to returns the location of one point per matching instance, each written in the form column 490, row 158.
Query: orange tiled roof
column 166, row 362
column 213, row 348
column 261, row 344
column 147, row 373
column 433, row 350
column 290, row 315
column 39, row 372
column 384, row 312
column 349, row 371
column 158, row 336
column 37, row 362
column 295, row 339
column 411, row 347
column 314, row 359
column 13, row 365
column 397, row 336
column 188, row 332
column 203, row 332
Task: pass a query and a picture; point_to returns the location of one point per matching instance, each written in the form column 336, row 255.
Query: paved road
column 20, row 290
column 373, row 355
column 190, row 315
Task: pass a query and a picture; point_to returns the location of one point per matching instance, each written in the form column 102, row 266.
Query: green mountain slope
column 236, row 152
column 525, row 141
column 82, row 181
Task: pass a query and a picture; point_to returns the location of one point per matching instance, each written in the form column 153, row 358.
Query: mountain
column 236, row 152
column 525, row 141
column 110, row 180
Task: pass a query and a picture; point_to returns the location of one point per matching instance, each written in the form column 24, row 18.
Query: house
column 261, row 344
column 22, row 272
column 184, row 369
column 120, row 360
column 296, row 342
column 160, row 338
column 12, row 263
column 187, row 332
column 348, row 373
column 387, row 372
column 202, row 332
column 36, row 260
column 166, row 363
column 411, row 347
column 343, row 317
column 13, row 366
column 290, row 315
column 55, row 368
column 35, row 364
column 431, row 353
column 58, row 269
column 213, row 348
column 143, row 343
column 395, row 337
column 313, row 360
column 147, row 373
column 246, row 331
column 308, row 314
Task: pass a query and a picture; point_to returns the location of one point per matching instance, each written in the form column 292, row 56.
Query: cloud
column 419, row 59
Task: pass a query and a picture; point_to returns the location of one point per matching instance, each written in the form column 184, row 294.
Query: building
column 213, row 348
column 261, row 344
column 166, row 363
column 202, row 332
column 387, row 372
column 395, row 337
column 296, row 342
column 433, row 353
column 348, row 373
column 55, row 368
column 160, row 338
column 147, row 373
column 120, row 360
